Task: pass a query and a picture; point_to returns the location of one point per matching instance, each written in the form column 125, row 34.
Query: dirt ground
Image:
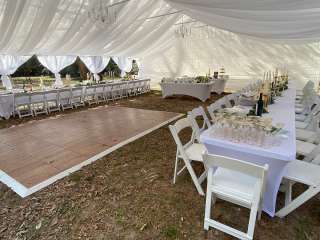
column 129, row 195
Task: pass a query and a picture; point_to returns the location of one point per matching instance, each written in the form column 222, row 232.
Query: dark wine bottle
column 260, row 106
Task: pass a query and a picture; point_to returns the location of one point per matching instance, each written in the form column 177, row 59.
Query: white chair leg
column 194, row 178
column 253, row 217
column 175, row 168
column 207, row 213
column 203, row 176
column 288, row 197
column 297, row 202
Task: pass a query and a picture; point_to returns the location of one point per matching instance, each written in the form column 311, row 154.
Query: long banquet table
column 7, row 99
column 277, row 157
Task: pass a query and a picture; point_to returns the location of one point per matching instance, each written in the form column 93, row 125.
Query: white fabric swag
column 95, row 64
column 8, row 65
column 124, row 63
column 55, row 64
column 293, row 20
column 141, row 69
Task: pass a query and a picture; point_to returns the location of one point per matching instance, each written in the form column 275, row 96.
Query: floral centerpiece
column 202, row 79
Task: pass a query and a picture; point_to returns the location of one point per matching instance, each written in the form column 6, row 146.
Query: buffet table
column 200, row 91
column 219, row 85
column 277, row 157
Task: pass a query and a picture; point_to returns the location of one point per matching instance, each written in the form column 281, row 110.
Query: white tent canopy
column 145, row 29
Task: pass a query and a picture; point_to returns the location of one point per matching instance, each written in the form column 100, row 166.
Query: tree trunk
column 82, row 69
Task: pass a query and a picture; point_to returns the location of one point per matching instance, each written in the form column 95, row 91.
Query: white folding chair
column 299, row 172
column 124, row 89
column 77, row 97
column 144, row 86
column 65, row 99
column 233, row 99
column 139, row 87
column 22, row 105
column 108, row 92
column 310, row 122
column 188, row 153
column 305, row 148
column 89, row 95
column 212, row 109
column 238, row 182
column 147, row 84
column 312, row 135
column 194, row 115
column 301, row 94
column 223, row 103
column 52, row 101
column 100, row 94
column 130, row 88
column 133, row 91
column 315, row 107
column 116, row 91
column 38, row 103
column 308, row 102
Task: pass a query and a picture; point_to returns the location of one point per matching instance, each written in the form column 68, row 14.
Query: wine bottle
column 260, row 106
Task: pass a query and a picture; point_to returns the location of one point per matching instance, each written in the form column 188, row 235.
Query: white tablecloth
column 276, row 157
column 6, row 105
column 200, row 91
column 219, row 85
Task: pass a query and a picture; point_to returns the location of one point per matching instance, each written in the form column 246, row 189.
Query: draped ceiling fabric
column 244, row 59
column 8, row 65
column 265, row 34
column 55, row 64
column 286, row 20
column 62, row 27
column 95, row 64
column 124, row 63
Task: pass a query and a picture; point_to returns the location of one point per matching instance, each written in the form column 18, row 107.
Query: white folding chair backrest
column 51, row 95
column 223, row 103
column 175, row 129
column 124, row 85
column 77, row 92
column 187, row 152
column 100, row 89
column 37, row 97
column 213, row 161
column 90, row 90
column 233, row 99
column 194, row 115
column 65, row 93
column 107, row 88
column 21, row 99
column 230, row 192
column 212, row 109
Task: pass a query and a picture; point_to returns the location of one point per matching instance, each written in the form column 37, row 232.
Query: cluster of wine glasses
column 250, row 130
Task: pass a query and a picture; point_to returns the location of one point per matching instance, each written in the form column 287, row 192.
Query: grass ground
column 129, row 195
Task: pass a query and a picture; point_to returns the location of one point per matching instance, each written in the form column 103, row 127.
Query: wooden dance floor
column 38, row 153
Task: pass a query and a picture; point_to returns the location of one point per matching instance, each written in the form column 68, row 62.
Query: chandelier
column 182, row 31
column 104, row 13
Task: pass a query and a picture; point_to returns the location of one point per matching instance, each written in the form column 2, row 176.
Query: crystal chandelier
column 182, row 31
column 104, row 13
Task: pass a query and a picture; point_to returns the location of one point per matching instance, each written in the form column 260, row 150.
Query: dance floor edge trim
column 24, row 191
